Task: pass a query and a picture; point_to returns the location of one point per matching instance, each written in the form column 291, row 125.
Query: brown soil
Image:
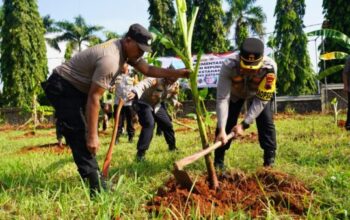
column 7, row 127
column 31, row 134
column 46, row 148
column 341, row 124
column 186, row 120
column 182, row 129
column 251, row 137
column 238, row 191
column 46, row 126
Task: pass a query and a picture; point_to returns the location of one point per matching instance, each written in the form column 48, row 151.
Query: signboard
column 209, row 68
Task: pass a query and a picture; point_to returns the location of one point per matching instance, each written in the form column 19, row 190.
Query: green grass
column 46, row 185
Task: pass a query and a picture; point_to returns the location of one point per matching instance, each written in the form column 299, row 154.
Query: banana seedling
column 185, row 54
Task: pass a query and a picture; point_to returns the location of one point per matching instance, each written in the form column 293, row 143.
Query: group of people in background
column 75, row 89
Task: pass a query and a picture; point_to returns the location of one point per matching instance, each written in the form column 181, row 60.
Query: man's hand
column 131, row 96
column 93, row 144
column 183, row 73
column 222, row 136
column 238, row 130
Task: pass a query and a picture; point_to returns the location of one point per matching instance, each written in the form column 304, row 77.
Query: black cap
column 142, row 37
column 251, row 53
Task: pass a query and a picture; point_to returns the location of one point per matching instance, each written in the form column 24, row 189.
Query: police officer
column 124, row 84
column 247, row 76
column 76, row 86
column 152, row 92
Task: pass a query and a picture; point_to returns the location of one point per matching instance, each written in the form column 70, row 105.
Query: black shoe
column 173, row 148
column 96, row 183
column 219, row 166
column 117, row 140
column 219, row 160
column 269, row 158
column 131, row 139
column 140, row 156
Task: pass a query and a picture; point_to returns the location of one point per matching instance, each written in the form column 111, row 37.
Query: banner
column 209, row 68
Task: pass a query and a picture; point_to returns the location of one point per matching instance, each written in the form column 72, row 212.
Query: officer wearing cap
column 151, row 93
column 246, row 76
column 75, row 88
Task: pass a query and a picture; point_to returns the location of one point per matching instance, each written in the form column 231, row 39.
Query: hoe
column 108, row 158
column 182, row 177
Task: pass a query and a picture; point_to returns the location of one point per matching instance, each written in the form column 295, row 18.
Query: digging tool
column 182, row 124
column 181, row 176
column 108, row 158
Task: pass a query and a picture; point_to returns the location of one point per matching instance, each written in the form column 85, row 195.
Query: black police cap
column 252, row 51
column 141, row 35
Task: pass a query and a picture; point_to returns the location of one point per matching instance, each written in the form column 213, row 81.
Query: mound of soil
column 50, row 148
column 254, row 194
column 341, row 123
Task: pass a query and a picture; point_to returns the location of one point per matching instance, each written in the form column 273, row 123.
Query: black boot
column 219, row 160
column 173, row 148
column 269, row 158
column 96, row 183
column 131, row 139
column 140, row 156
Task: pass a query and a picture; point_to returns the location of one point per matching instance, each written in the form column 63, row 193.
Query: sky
column 118, row 15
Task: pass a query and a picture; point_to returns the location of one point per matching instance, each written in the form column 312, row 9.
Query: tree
column 245, row 16
column 76, row 33
column 343, row 41
column 108, row 35
column 161, row 17
column 50, row 27
column 295, row 75
column 23, row 60
column 336, row 13
column 209, row 35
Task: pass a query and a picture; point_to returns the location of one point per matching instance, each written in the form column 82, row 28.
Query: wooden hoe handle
column 108, row 158
column 192, row 158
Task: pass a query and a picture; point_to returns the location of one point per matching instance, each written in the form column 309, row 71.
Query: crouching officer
column 76, row 86
column 247, row 76
column 149, row 107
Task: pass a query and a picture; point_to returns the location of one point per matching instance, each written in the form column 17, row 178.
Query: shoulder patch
column 267, row 87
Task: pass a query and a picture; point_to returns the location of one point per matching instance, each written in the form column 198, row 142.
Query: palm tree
column 76, row 33
column 246, row 16
column 50, row 27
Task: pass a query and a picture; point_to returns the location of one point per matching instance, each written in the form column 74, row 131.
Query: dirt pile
column 50, row 148
column 254, row 194
column 341, row 123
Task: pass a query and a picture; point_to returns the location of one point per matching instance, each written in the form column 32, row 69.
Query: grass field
column 44, row 184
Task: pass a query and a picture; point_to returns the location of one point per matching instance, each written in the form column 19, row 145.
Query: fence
column 298, row 104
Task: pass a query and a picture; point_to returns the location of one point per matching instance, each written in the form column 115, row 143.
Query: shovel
column 108, row 158
column 181, row 176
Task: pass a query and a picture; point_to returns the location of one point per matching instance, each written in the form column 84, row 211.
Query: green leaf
column 168, row 44
column 334, row 55
column 203, row 93
column 330, row 71
column 334, row 101
column 190, row 29
column 182, row 19
column 192, row 115
column 333, row 34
